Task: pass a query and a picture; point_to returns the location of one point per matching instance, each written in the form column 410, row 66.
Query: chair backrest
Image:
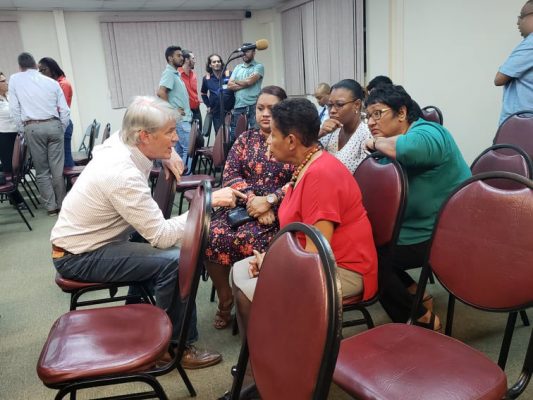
column 517, row 129
column 194, row 238
column 481, row 246
column 293, row 344
column 164, row 192
column 219, row 155
column 194, row 244
column 432, row 114
column 107, row 132
column 196, row 139
column 384, row 191
column 95, row 128
column 242, row 125
column 503, row 157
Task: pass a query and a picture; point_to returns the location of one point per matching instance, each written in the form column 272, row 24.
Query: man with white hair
column 111, row 199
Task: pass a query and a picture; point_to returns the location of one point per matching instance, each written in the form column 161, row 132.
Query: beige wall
column 446, row 53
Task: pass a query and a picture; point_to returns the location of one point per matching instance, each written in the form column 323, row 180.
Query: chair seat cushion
column 192, row 181
column 7, row 187
column 399, row 361
column 348, row 301
column 102, row 341
column 69, row 285
column 73, row 171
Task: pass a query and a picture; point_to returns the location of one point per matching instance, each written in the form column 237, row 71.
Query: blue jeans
column 236, row 113
column 134, row 262
column 182, row 147
column 69, row 161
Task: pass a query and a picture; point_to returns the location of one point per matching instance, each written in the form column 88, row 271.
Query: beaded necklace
column 300, row 167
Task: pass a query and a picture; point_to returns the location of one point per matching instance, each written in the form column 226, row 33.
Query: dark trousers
column 69, row 161
column 394, row 280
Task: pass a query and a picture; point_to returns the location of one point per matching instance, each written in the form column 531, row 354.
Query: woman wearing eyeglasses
column 435, row 167
column 344, row 133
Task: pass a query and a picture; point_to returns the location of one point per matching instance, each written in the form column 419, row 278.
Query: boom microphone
column 261, row 44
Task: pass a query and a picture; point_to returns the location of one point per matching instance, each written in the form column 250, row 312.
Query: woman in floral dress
column 250, row 169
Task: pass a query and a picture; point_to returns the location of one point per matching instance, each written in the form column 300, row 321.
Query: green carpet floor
column 30, row 302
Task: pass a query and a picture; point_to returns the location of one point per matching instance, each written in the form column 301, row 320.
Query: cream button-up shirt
column 110, row 200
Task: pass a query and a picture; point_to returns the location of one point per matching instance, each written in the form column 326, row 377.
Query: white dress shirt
column 6, row 122
column 353, row 152
column 34, row 96
column 110, row 200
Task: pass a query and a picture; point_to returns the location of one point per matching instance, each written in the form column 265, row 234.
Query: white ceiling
column 137, row 5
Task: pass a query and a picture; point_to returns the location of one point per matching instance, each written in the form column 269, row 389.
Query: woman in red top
column 323, row 193
column 49, row 67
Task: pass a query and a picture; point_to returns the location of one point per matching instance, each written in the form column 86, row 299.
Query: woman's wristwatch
column 271, row 199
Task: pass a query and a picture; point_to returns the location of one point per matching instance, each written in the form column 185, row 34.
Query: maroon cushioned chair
column 384, row 191
column 479, row 231
column 83, row 157
column 164, row 193
column 11, row 186
column 241, row 126
column 215, row 156
column 508, row 158
column 432, row 114
column 114, row 345
column 292, row 344
column 517, row 129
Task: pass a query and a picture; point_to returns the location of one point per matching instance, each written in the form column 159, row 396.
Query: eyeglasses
column 338, row 105
column 522, row 16
column 375, row 115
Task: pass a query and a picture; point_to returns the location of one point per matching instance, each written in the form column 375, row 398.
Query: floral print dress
column 250, row 171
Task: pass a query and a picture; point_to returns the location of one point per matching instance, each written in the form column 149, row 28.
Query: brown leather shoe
column 194, row 358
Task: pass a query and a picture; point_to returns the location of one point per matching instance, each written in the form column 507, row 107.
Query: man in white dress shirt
column 39, row 109
column 111, row 199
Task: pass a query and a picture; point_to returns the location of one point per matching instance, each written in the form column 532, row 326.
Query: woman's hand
column 226, row 197
column 329, row 125
column 255, row 264
column 267, row 218
column 257, row 205
column 174, row 164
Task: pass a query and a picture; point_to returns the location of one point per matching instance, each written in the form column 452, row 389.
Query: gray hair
column 145, row 113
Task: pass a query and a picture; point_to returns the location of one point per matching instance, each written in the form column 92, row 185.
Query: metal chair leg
column 507, row 337
column 449, row 315
column 523, row 316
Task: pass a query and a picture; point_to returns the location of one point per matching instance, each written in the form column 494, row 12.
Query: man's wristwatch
column 271, row 199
